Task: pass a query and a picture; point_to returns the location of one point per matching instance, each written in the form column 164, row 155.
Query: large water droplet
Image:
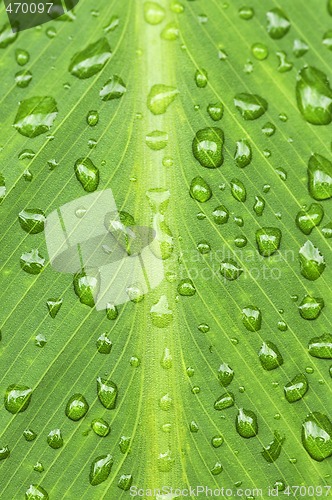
column 87, row 174
column 312, row 262
column 125, row 482
column 317, row 436
column 35, row 116
column 86, row 287
column 321, row 347
column 319, row 177
column 32, row 220
column 107, row 393
column 268, row 240
column 252, row 318
column 314, row 96
column 251, row 106
column 114, row 88
column 90, row 60
column 272, row 451
column 278, row 23
column 76, row 407
column 246, row 423
column 36, row 492
column 311, row 307
column 259, row 51
column 307, row 219
column 153, row 13
column 220, row 215
column 32, row 262
column 207, row 147
column 226, row 400
column 186, row 287
column 160, row 97
column 23, row 78
column 270, row 356
column 200, row 190
column 230, row 269
column 100, row 469
column 100, row 427
column 296, row 388
column 17, row 398
column 243, row 153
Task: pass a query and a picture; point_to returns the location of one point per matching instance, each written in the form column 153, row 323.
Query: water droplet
column 312, row 262
column 296, row 388
column 243, row 153
column 230, row 269
column 327, row 230
column 282, row 326
column 23, row 78
column 216, row 469
column 200, row 190
column 22, row 56
column 317, row 436
column 321, row 347
column 170, row 32
column 272, row 451
column 160, row 97
column 193, row 426
column 259, row 205
column 207, row 147
column 104, row 344
column 32, row 220
column 153, row 13
column 76, row 407
column 17, row 398
column 40, row 340
column 186, row 287
column 259, row 51
column 125, row 482
column 278, row 23
column 36, row 492
column 165, row 461
column 269, row 356
column 190, row 371
column 29, row 435
column 55, row 439
column 250, row 106
column 252, row 318
column 201, row 78
column 217, row 441
column 320, row 177
column 35, row 116
column 32, row 262
column 4, row 453
column 246, row 423
column 7, row 35
column 268, row 129
column 165, row 402
column 240, row 241
column 166, row 360
column 177, row 7
column 114, row 88
column 220, row 215
column 92, row 118
column 238, row 190
column 53, row 306
column 314, row 96
column 216, row 111
column 111, row 311
column 300, row 47
column 225, row 374
column 86, row 287
column 91, row 59
column 160, row 313
column 134, row 361
column 100, row 427
column 284, row 64
column 38, row 467
column 156, row 140
column 203, row 247
column 226, row 400
column 87, row 174
column 135, row 293
column 306, row 220
column 100, row 469
column 124, row 444
column 246, row 13
column 107, row 393
column 268, row 240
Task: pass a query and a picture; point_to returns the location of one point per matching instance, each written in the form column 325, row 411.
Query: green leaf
column 209, row 123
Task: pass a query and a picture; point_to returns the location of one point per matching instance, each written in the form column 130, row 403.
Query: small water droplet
column 100, row 469
column 87, row 174
column 320, row 177
column 200, row 190
column 321, row 347
column 76, row 407
column 238, row 190
column 32, row 262
column 250, row 106
column 107, row 393
column 272, row 451
column 230, row 269
column 246, row 13
column 270, row 356
column 35, row 116
column 278, row 23
column 22, row 56
column 296, row 388
column 259, row 205
column 259, row 51
column 314, row 96
column 243, row 153
column 55, row 439
column 17, row 398
column 160, row 97
column 268, row 240
column 36, row 492
column 91, row 59
column 226, row 400
column 186, row 287
column 215, row 111
column 153, row 13
column 114, row 88
column 104, row 344
column 86, row 287
column 207, row 147
column 252, row 318
column 300, row 47
column 317, row 436
column 156, row 140
column 160, row 313
column 312, row 262
column 246, row 423
column 92, row 118
column 100, row 427
column 23, row 78
column 201, row 78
